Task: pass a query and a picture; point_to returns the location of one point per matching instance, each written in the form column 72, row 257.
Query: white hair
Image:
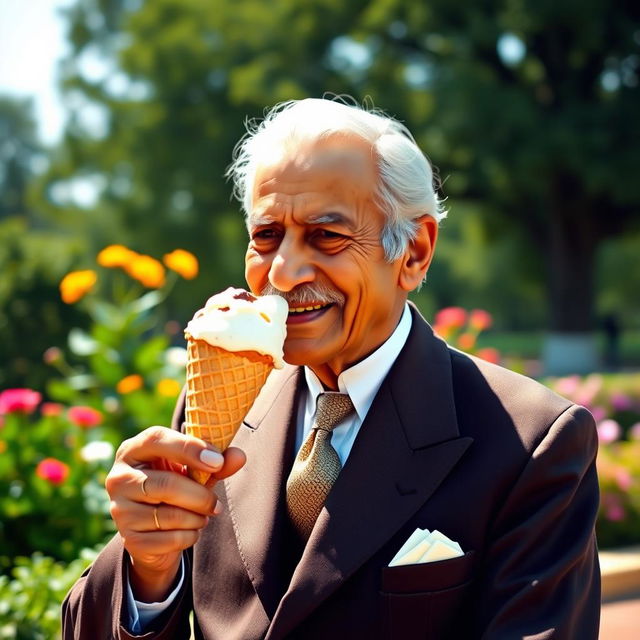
column 406, row 189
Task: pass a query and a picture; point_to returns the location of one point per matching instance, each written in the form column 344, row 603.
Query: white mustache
column 306, row 294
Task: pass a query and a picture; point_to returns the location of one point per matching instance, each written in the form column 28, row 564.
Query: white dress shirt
column 361, row 382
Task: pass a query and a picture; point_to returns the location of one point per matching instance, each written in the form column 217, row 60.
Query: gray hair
column 406, row 189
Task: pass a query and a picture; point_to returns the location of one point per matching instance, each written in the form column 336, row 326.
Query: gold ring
column 144, row 491
column 155, row 518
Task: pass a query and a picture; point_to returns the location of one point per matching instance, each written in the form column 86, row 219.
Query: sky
column 32, row 40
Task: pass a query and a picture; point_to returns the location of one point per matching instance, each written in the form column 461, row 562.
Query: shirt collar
column 362, row 380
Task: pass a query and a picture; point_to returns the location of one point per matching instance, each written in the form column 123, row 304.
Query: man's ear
column 419, row 253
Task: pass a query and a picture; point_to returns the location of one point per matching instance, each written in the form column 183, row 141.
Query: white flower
column 97, row 451
column 176, row 357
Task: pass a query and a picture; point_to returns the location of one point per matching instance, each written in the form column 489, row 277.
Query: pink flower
column 589, row 390
column 479, row 319
column 52, row 355
column 451, row 317
column 634, row 431
column 608, row 431
column 51, row 409
column 623, row 478
column 598, row 413
column 52, row 470
column 85, row 417
column 613, row 508
column 621, row 401
column 19, row 401
column 567, row 386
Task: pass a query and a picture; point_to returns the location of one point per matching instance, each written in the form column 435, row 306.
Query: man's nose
column 290, row 267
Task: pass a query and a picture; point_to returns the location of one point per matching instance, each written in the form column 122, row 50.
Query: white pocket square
column 426, row 546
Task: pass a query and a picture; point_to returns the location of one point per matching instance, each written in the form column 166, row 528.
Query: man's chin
column 301, row 355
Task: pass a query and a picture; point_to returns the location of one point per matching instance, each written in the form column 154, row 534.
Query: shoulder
column 494, row 401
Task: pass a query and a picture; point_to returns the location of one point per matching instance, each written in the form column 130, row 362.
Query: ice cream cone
column 221, row 387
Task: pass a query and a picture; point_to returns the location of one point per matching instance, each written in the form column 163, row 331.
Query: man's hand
column 158, row 510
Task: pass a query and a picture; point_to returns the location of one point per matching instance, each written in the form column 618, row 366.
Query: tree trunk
column 572, row 243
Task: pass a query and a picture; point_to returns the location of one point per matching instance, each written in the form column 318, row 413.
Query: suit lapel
column 407, row 445
column 255, row 494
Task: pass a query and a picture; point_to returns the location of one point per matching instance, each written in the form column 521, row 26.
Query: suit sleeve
column 95, row 607
column 542, row 578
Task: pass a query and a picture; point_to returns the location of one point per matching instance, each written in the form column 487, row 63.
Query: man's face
column 315, row 237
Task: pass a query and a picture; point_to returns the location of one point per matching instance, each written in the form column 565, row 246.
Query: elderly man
column 343, row 220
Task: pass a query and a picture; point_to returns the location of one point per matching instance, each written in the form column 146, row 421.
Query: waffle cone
column 221, row 387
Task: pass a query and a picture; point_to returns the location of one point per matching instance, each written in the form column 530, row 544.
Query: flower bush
column 461, row 329
column 117, row 377
column 614, row 401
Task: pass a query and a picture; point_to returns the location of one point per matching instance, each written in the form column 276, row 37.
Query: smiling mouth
column 307, row 312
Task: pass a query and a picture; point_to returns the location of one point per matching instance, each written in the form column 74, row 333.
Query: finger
column 162, row 444
column 234, row 460
column 161, row 487
column 134, row 517
column 159, row 542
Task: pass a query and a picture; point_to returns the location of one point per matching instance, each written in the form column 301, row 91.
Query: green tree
column 20, row 150
column 528, row 108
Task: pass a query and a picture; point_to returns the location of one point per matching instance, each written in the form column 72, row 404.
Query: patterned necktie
column 317, row 464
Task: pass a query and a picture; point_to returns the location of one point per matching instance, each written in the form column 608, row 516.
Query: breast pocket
column 421, row 600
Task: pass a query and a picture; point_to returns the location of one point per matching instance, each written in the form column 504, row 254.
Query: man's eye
column 264, row 234
column 325, row 234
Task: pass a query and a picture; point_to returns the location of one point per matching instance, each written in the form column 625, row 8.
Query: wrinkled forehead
column 327, row 163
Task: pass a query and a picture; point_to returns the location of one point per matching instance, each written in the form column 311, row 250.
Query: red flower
column 489, row 354
column 479, row 319
column 52, row 470
column 451, row 317
column 51, row 409
column 19, row 401
column 85, row 417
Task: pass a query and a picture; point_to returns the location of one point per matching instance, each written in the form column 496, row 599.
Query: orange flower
column 466, row 341
column 489, row 354
column 479, row 319
column 76, row 285
column 182, row 262
column 130, row 384
column 442, row 331
column 146, row 270
column 168, row 388
column 115, row 255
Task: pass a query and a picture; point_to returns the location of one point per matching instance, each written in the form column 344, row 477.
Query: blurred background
column 119, row 117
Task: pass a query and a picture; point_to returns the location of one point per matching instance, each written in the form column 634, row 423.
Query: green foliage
column 32, row 316
column 30, row 600
column 518, row 104
column 20, row 153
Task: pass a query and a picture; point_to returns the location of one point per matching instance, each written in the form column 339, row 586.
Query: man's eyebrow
column 260, row 220
column 329, row 218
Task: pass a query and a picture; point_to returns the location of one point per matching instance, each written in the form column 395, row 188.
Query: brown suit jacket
column 490, row 458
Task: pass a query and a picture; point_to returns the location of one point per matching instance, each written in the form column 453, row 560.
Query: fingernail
column 218, row 508
column 212, row 459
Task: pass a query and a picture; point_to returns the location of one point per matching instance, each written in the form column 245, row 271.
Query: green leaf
column 147, row 302
column 149, row 356
column 81, row 343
